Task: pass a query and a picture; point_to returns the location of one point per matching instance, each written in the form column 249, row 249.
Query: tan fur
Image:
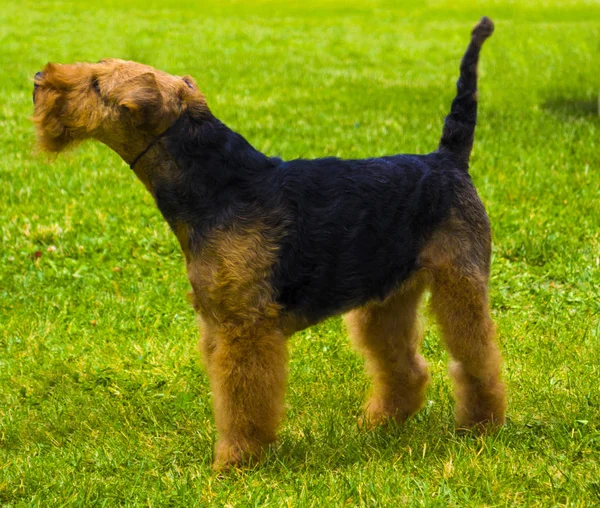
column 247, row 376
column 389, row 334
column 182, row 233
column 459, row 299
column 242, row 345
column 230, row 276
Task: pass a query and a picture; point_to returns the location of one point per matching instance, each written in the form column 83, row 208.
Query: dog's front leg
column 247, row 370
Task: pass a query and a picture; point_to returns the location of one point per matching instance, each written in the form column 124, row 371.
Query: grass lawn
column 102, row 396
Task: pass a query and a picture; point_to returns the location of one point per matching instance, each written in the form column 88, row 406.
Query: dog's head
column 122, row 104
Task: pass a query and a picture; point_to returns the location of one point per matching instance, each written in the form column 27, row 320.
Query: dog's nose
column 38, row 75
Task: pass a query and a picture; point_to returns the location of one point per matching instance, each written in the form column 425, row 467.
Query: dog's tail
column 459, row 126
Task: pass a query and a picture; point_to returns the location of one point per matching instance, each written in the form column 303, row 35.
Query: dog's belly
column 332, row 290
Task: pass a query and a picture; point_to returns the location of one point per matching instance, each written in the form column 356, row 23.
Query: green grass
column 102, row 397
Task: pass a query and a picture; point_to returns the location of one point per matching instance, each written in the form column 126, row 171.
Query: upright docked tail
column 459, row 126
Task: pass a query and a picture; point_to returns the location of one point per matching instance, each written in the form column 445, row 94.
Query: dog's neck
column 196, row 170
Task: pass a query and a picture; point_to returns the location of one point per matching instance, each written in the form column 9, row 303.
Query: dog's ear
column 192, row 97
column 140, row 94
column 190, row 83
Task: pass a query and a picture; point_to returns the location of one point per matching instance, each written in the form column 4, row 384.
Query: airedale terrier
column 274, row 246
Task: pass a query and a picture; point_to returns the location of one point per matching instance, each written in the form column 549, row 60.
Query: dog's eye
column 190, row 86
column 96, row 86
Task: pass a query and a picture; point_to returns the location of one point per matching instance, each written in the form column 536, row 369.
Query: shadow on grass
column 570, row 107
column 317, row 452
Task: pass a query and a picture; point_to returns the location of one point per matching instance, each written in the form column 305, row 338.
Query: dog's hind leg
column 389, row 334
column 460, row 303
column 458, row 261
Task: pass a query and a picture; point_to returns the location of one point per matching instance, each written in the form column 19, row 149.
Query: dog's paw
column 232, row 455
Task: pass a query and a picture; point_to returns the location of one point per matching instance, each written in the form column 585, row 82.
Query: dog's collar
column 153, row 142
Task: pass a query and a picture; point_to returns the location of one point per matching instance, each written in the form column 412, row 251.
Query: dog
column 272, row 247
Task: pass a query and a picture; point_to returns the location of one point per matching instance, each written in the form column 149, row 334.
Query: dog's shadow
column 424, row 433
